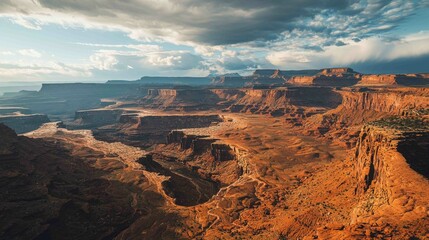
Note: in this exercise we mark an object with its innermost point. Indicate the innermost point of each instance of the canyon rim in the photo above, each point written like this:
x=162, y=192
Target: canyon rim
x=214, y=119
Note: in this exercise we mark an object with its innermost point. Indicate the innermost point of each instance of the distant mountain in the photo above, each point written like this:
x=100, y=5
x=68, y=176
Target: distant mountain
x=211, y=75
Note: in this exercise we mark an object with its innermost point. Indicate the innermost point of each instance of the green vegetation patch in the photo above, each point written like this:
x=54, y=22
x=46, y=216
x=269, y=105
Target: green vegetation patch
x=403, y=124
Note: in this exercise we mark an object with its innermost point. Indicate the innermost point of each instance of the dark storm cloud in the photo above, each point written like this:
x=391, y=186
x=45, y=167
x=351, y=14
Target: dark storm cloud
x=223, y=22
x=212, y=22
x=418, y=64
x=284, y=32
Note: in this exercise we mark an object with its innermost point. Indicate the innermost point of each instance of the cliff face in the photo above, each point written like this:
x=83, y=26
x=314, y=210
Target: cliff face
x=101, y=90
x=61, y=101
x=392, y=177
x=336, y=71
x=378, y=80
x=148, y=130
x=394, y=79
x=70, y=188
x=293, y=102
x=210, y=157
x=363, y=105
x=325, y=80
x=180, y=99
x=177, y=121
x=14, y=110
x=287, y=73
x=265, y=101
x=200, y=144
x=226, y=81
x=8, y=138
x=96, y=118
x=24, y=123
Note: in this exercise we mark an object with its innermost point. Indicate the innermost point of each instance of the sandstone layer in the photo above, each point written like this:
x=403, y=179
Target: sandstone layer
x=268, y=161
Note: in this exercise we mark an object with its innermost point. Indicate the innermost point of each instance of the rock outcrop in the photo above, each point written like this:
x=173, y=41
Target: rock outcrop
x=294, y=102
x=392, y=175
x=180, y=99
x=148, y=130
x=23, y=123
x=70, y=186
x=333, y=77
x=394, y=79
x=360, y=105
x=200, y=144
x=14, y=110
x=337, y=71
x=95, y=118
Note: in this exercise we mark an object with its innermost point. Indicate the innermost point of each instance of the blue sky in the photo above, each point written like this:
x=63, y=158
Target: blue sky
x=64, y=40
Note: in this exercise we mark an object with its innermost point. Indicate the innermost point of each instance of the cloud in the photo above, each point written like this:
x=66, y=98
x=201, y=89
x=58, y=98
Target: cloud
x=217, y=22
x=7, y=53
x=103, y=61
x=224, y=35
x=178, y=60
x=35, y=71
x=373, y=49
x=26, y=22
x=139, y=47
x=30, y=53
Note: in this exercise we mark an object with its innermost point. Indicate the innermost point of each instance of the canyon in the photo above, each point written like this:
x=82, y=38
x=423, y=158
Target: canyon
x=305, y=154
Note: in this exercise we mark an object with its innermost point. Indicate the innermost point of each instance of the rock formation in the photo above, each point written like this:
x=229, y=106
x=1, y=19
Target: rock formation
x=393, y=79
x=230, y=157
x=96, y=118
x=23, y=123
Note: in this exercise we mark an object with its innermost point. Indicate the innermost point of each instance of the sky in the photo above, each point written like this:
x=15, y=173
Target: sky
x=98, y=40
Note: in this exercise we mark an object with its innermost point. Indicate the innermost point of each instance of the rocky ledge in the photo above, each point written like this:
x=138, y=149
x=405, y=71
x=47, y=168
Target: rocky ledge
x=391, y=169
x=22, y=123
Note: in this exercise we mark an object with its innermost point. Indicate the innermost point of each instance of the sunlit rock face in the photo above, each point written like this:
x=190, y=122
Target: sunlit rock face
x=328, y=154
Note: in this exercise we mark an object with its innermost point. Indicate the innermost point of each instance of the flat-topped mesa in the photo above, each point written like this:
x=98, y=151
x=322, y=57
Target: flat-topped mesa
x=360, y=105
x=394, y=79
x=170, y=122
x=197, y=143
x=337, y=71
x=96, y=118
x=391, y=169
x=180, y=99
x=328, y=77
x=14, y=110
x=230, y=81
x=281, y=101
x=23, y=123
x=161, y=92
x=148, y=80
x=145, y=130
x=91, y=90
x=284, y=73
x=222, y=152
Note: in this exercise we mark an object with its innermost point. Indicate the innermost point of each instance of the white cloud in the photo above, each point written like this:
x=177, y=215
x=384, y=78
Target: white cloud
x=30, y=53
x=103, y=61
x=26, y=22
x=208, y=51
x=157, y=60
x=179, y=60
x=370, y=49
x=7, y=53
x=43, y=70
x=139, y=47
